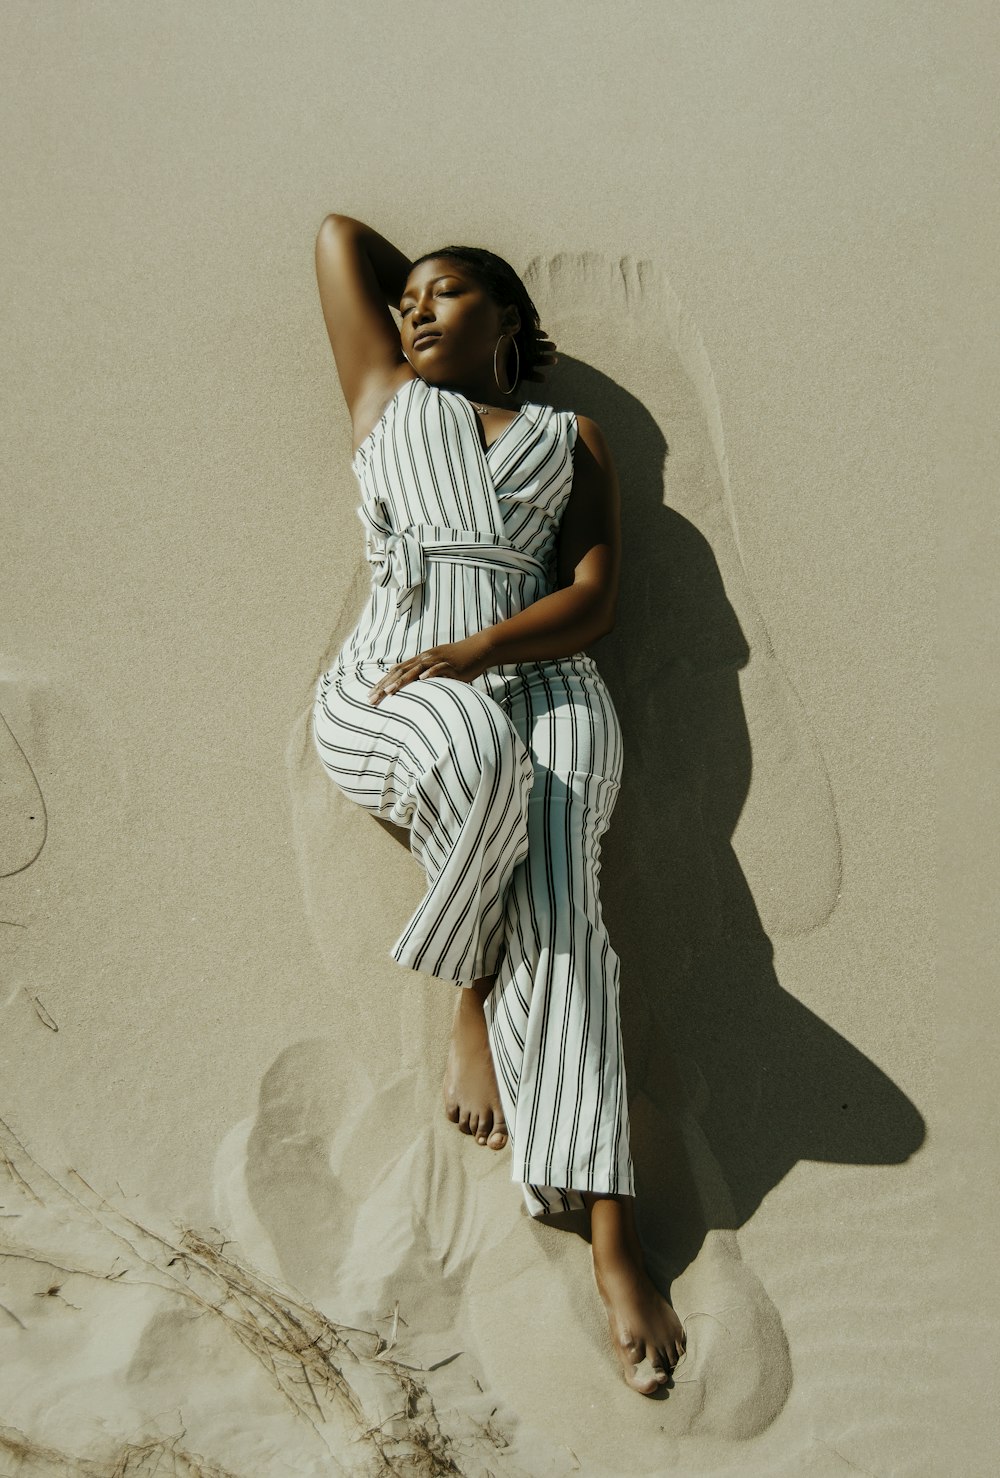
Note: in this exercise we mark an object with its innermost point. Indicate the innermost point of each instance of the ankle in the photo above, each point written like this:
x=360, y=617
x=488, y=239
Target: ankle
x=612, y=1224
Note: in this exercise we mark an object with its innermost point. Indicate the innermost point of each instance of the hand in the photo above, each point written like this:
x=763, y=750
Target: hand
x=464, y=660
x=545, y=349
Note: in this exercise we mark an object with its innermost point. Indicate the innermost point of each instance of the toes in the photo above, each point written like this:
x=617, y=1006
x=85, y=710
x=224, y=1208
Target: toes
x=633, y=1358
x=647, y=1368
x=490, y=1130
x=486, y=1128
x=645, y=1384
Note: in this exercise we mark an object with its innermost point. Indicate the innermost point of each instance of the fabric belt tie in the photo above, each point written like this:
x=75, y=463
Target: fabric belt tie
x=399, y=559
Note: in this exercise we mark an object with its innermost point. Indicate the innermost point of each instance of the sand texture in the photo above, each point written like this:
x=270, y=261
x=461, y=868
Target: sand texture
x=238, y=1237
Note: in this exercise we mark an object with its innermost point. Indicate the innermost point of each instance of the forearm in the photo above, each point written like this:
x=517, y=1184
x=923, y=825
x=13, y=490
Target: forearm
x=389, y=264
x=558, y=625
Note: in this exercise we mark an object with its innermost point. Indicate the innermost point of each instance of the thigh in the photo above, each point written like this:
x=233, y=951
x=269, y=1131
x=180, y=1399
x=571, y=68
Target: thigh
x=564, y=713
x=375, y=752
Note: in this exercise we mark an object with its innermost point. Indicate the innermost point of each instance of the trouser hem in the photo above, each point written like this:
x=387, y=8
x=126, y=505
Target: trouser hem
x=479, y=972
x=620, y=1184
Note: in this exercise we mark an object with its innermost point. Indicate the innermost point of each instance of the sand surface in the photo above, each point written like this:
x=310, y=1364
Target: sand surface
x=237, y=1235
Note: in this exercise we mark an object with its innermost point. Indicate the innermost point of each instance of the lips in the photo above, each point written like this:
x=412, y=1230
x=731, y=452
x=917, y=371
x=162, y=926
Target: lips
x=423, y=339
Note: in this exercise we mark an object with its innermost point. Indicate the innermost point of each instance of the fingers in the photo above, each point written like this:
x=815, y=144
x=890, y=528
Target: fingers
x=401, y=673
x=546, y=356
x=439, y=669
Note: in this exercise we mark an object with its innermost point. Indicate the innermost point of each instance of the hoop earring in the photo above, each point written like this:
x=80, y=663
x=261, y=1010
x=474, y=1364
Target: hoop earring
x=496, y=376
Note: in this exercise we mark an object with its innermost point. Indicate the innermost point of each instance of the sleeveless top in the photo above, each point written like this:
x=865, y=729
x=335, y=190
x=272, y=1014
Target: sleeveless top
x=458, y=538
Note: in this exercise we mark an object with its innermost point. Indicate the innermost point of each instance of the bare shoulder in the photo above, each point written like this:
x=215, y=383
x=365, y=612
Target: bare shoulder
x=590, y=526
x=593, y=438
x=595, y=491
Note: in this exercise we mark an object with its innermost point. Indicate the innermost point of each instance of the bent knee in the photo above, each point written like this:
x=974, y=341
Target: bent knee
x=461, y=726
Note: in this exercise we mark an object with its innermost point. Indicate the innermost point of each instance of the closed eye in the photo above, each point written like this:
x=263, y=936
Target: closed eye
x=451, y=292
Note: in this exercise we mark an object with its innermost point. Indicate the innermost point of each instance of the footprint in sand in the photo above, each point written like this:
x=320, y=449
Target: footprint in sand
x=536, y=1291
x=355, y=1194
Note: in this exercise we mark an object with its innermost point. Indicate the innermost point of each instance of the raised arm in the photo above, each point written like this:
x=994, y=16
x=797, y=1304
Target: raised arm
x=359, y=275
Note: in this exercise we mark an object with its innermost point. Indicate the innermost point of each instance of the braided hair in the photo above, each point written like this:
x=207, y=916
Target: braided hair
x=500, y=282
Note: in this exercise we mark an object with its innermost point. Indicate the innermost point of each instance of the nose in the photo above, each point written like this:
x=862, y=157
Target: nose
x=420, y=316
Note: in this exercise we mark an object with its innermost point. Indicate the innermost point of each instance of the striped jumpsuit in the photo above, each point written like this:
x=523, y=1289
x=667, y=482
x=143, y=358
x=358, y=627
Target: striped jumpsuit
x=506, y=783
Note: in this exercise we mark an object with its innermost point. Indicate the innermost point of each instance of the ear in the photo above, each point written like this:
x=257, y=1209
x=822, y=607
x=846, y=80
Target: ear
x=510, y=323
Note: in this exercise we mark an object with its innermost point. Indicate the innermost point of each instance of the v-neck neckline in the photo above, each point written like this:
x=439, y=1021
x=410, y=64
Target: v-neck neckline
x=477, y=424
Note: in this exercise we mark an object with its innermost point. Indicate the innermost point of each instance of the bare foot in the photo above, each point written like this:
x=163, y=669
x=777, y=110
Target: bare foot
x=471, y=1096
x=643, y=1325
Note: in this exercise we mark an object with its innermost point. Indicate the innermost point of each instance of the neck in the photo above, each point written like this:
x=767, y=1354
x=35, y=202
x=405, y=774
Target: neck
x=486, y=394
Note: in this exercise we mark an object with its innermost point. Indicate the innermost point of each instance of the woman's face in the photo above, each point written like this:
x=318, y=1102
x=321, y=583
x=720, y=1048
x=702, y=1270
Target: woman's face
x=443, y=299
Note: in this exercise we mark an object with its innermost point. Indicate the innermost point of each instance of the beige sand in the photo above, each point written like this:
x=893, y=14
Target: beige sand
x=238, y=1235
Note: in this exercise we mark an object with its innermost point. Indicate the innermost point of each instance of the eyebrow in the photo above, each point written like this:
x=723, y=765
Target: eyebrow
x=440, y=278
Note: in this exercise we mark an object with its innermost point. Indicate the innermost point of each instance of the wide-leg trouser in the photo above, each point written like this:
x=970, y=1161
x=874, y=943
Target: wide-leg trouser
x=507, y=785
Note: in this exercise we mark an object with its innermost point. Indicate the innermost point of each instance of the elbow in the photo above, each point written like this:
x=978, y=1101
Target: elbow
x=331, y=222
x=597, y=613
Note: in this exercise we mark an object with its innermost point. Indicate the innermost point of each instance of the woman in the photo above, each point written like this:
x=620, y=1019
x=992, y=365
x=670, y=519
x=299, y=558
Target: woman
x=464, y=707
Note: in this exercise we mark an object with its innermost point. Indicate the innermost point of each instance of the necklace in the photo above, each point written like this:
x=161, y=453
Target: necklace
x=485, y=409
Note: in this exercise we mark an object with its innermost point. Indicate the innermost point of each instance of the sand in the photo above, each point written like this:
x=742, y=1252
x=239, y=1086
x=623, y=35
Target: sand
x=237, y=1234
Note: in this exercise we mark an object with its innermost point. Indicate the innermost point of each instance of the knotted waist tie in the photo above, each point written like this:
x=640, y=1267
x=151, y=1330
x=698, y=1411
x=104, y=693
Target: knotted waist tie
x=400, y=558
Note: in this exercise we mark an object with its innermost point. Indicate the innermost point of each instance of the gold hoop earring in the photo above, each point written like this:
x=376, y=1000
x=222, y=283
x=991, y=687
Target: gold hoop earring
x=496, y=376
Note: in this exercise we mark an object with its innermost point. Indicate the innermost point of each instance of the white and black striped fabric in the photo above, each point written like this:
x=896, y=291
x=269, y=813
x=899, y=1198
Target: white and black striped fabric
x=506, y=784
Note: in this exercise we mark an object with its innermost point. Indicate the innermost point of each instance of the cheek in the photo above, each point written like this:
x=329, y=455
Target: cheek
x=478, y=326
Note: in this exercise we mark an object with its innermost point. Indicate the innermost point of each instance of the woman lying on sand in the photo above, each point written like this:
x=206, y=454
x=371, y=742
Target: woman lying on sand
x=464, y=707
